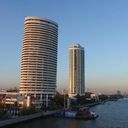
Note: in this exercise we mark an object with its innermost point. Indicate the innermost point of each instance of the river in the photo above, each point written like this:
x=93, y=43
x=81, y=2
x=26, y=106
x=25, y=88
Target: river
x=112, y=114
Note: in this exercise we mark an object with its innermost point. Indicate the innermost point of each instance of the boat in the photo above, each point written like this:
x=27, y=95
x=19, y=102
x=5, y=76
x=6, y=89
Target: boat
x=82, y=113
x=85, y=113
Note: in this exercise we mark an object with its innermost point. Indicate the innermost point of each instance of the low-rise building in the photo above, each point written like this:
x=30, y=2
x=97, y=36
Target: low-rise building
x=11, y=98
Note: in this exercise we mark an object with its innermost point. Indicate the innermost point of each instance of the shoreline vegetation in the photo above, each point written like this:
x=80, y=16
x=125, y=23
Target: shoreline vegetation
x=24, y=114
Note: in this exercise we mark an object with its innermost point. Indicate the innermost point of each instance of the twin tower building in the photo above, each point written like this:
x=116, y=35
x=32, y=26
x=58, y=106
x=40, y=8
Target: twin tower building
x=39, y=62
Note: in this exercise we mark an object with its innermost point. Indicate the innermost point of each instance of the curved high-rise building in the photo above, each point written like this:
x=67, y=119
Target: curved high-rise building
x=39, y=59
x=76, y=71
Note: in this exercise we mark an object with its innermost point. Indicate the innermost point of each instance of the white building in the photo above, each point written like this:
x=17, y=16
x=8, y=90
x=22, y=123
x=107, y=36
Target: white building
x=11, y=98
x=76, y=71
x=39, y=60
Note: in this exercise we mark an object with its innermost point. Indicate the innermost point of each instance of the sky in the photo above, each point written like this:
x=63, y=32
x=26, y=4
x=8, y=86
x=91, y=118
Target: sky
x=100, y=26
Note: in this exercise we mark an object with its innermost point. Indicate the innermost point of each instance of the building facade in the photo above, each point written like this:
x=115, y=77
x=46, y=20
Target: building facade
x=39, y=60
x=76, y=71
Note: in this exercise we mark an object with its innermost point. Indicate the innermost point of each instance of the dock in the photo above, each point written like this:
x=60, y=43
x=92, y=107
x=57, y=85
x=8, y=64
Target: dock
x=25, y=118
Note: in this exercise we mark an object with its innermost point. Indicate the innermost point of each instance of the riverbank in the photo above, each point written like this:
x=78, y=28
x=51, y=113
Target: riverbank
x=112, y=114
x=93, y=104
x=25, y=118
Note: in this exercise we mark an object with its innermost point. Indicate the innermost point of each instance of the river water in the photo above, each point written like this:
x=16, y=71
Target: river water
x=112, y=114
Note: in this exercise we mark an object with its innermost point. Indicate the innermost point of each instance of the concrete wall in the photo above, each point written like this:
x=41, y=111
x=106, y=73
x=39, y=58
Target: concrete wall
x=25, y=118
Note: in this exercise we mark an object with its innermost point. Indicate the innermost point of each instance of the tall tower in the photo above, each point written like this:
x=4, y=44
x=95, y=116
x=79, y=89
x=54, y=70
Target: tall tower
x=39, y=60
x=76, y=71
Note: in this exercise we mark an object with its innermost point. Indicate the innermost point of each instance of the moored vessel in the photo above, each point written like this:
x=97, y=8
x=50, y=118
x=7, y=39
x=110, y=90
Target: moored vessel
x=82, y=113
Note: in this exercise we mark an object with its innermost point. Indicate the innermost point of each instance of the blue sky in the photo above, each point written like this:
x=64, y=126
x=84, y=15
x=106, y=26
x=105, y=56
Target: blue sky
x=100, y=26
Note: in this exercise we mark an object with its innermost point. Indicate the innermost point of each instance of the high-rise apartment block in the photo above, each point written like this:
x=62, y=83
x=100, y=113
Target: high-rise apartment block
x=39, y=60
x=76, y=71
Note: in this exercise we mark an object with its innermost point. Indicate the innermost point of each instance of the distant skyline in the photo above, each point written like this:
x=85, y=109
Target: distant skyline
x=100, y=26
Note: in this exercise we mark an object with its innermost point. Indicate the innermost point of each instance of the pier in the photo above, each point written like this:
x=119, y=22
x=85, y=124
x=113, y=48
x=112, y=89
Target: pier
x=25, y=118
